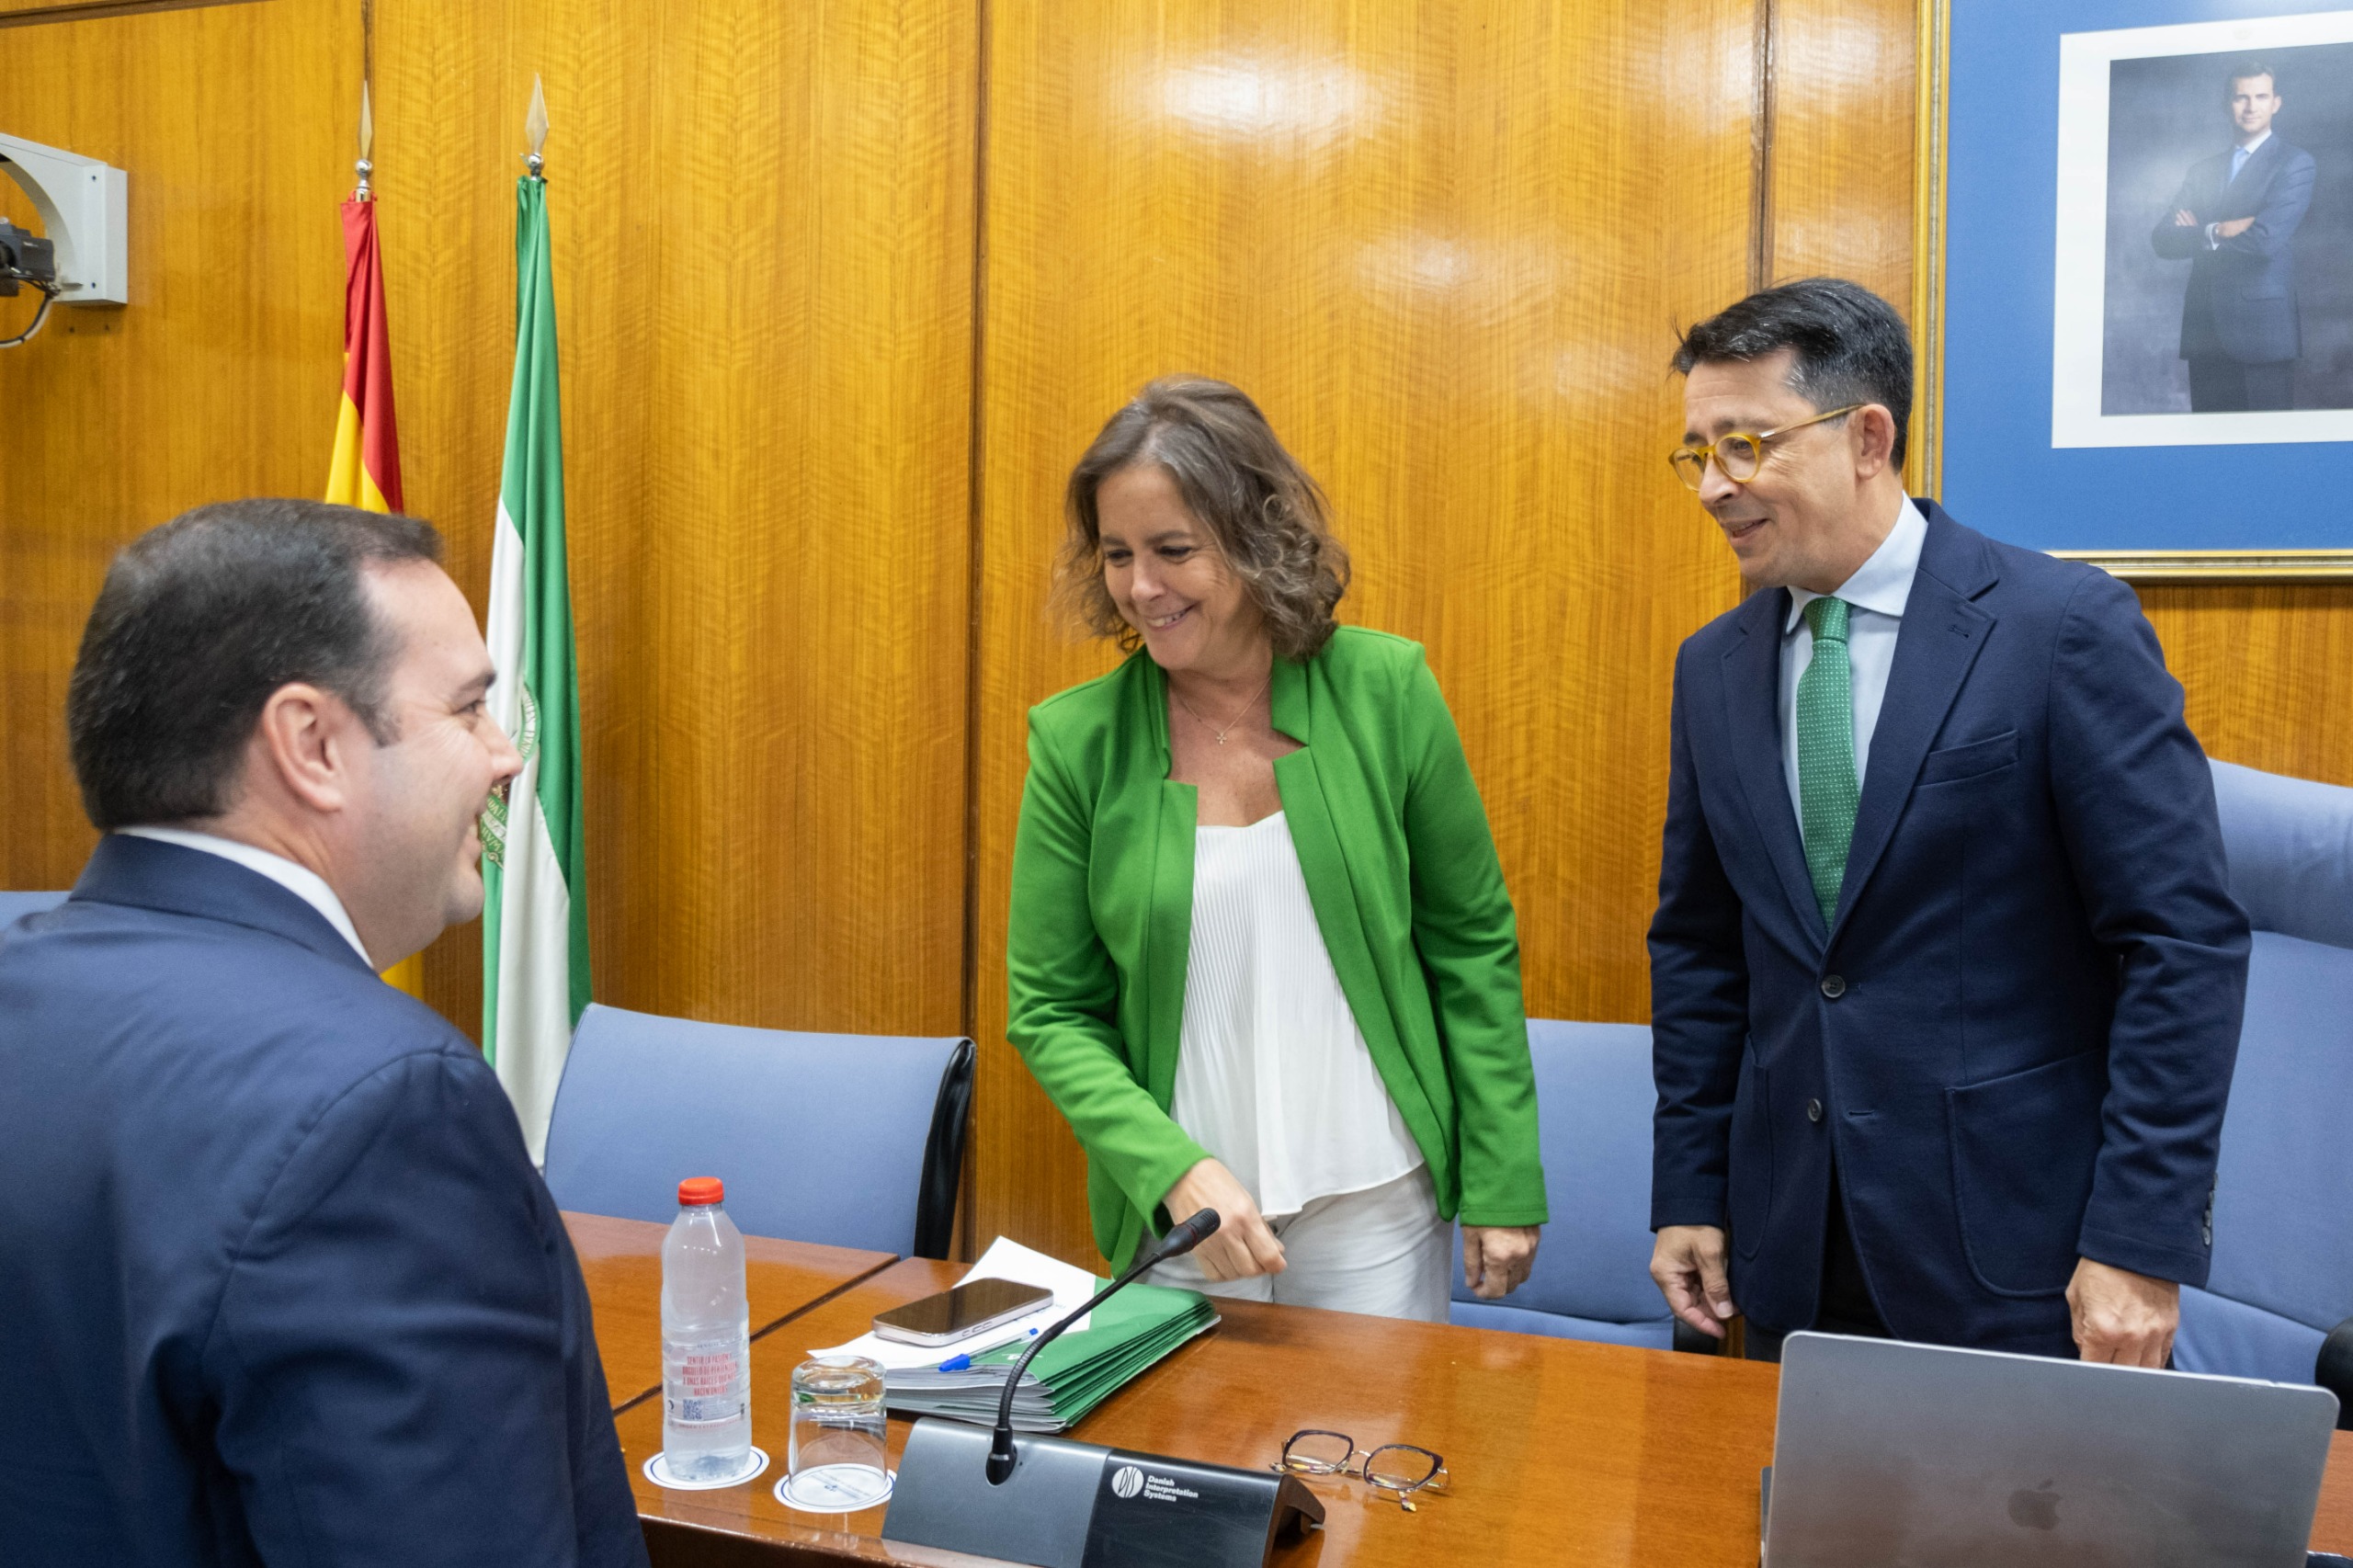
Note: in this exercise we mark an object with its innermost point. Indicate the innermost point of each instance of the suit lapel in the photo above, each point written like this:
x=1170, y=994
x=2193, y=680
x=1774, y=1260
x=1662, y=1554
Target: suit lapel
x=1942, y=634
x=2218, y=192
x=1752, y=675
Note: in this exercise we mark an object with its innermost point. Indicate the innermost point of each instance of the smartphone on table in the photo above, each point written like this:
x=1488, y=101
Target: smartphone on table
x=970, y=1308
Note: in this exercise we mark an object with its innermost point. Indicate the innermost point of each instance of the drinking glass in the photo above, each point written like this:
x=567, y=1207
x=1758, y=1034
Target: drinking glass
x=836, y=1462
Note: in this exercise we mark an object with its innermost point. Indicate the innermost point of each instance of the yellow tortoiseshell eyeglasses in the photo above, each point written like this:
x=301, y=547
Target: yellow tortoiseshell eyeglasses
x=1740, y=453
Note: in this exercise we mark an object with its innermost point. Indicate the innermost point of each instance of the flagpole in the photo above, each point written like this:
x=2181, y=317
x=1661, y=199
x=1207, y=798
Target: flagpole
x=535, y=131
x=367, y=146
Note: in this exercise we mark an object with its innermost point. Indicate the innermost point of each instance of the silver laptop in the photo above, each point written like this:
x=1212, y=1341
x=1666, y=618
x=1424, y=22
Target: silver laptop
x=1890, y=1455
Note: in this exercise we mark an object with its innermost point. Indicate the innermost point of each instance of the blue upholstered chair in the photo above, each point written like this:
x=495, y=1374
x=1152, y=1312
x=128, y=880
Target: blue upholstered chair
x=2282, y=1275
x=1592, y=1280
x=848, y=1140
x=15, y=906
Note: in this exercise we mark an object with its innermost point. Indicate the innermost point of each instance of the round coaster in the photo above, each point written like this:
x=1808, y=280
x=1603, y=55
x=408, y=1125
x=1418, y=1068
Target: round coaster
x=658, y=1471
x=835, y=1489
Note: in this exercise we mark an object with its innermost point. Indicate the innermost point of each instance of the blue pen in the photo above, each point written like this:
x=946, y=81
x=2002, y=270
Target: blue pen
x=963, y=1363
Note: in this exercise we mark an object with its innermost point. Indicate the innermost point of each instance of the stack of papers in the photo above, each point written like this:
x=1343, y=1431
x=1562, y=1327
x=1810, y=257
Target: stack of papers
x=1069, y=1377
x=1093, y=1359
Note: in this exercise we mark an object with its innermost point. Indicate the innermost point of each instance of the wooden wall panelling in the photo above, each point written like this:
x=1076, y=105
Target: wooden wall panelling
x=29, y=13
x=1841, y=151
x=237, y=126
x=1444, y=246
x=763, y=231
x=1841, y=156
x=2267, y=669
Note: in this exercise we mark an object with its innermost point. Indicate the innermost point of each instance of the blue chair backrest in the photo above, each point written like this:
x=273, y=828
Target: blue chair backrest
x=1592, y=1280
x=15, y=906
x=2283, y=1271
x=818, y=1137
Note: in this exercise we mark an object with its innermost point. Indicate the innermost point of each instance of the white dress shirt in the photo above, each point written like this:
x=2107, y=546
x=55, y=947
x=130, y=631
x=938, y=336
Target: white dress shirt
x=300, y=880
x=1875, y=595
x=2239, y=155
x=1273, y=1077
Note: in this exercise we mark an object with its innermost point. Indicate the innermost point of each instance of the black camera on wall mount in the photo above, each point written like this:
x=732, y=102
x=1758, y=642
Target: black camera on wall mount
x=26, y=258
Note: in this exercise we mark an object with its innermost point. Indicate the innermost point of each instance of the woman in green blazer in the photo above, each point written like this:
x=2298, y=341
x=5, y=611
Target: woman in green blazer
x=1261, y=954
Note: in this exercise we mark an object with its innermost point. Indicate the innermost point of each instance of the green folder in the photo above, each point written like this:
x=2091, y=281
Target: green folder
x=1071, y=1376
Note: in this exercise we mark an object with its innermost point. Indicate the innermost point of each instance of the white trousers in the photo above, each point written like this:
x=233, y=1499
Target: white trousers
x=1383, y=1251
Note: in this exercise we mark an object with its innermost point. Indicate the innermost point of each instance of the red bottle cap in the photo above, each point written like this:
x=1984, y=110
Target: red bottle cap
x=696, y=1191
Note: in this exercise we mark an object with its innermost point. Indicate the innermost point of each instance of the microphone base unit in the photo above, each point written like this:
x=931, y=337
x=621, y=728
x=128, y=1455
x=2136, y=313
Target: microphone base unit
x=1071, y=1505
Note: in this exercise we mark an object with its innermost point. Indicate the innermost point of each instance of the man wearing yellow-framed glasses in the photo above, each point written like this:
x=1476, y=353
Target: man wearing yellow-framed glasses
x=1946, y=983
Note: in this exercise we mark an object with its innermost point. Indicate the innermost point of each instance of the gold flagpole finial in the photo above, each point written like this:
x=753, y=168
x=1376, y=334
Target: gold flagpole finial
x=535, y=130
x=367, y=145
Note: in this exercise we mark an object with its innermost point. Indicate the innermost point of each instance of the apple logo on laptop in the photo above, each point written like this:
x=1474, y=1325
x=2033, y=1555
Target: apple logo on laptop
x=2037, y=1510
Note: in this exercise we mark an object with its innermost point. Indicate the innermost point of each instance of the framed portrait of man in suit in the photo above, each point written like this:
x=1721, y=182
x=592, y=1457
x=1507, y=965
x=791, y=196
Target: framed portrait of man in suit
x=2141, y=230
x=2205, y=220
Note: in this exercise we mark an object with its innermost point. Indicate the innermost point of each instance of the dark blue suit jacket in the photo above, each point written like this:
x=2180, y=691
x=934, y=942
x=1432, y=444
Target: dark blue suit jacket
x=2241, y=302
x=278, y=1282
x=2018, y=1031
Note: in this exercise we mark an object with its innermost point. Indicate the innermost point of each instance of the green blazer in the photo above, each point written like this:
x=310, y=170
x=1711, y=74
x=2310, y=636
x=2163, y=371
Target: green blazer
x=1407, y=893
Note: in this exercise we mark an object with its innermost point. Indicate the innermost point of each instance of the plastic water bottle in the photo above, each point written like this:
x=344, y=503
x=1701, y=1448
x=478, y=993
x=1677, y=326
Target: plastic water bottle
x=706, y=1340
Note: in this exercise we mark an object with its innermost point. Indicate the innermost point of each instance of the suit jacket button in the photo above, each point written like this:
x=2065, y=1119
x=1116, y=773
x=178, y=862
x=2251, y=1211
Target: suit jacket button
x=1832, y=986
x=1814, y=1110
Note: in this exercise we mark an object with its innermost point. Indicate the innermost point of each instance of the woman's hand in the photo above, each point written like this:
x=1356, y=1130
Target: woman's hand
x=1496, y=1258
x=1244, y=1246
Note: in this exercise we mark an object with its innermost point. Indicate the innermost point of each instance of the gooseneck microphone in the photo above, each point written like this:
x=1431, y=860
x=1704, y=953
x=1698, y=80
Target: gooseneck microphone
x=1059, y=1502
x=1176, y=1244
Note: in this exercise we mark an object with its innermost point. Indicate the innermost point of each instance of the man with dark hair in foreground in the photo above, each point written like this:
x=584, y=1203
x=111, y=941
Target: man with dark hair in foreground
x=1945, y=980
x=278, y=1282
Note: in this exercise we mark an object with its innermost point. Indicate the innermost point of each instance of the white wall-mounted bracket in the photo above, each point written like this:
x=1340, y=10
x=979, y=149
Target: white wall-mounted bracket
x=85, y=208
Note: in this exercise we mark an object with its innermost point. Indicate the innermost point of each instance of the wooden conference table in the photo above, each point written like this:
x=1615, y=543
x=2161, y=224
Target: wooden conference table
x=1559, y=1451
x=621, y=1261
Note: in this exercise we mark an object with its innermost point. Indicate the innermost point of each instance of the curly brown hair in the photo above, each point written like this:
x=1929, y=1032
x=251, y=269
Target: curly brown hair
x=1270, y=519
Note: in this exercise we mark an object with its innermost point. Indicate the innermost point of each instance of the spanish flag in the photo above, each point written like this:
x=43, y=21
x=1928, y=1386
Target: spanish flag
x=366, y=470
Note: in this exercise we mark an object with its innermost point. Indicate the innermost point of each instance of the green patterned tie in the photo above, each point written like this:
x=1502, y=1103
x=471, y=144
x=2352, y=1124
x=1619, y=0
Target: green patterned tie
x=1826, y=752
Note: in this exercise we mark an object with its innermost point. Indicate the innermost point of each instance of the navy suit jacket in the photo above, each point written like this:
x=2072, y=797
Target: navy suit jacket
x=278, y=1282
x=2241, y=302
x=2016, y=1032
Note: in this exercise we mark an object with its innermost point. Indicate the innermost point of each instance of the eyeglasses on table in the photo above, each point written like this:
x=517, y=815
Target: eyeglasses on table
x=1395, y=1469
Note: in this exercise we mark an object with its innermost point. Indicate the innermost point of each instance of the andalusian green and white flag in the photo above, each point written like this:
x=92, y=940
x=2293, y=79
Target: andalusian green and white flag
x=535, y=922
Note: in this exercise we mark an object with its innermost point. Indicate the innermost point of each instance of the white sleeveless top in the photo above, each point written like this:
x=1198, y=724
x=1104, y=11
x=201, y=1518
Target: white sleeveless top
x=1273, y=1077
